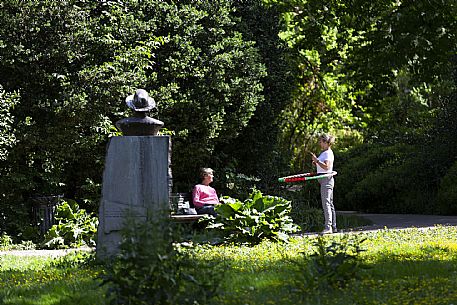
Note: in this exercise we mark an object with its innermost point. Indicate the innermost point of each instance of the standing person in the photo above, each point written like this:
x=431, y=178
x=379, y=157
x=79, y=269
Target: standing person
x=203, y=195
x=324, y=164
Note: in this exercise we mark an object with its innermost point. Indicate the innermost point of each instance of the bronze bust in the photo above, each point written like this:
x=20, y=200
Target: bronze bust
x=140, y=124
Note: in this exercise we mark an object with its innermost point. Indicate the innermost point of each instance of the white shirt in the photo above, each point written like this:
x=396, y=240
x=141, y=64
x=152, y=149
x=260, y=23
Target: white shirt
x=326, y=155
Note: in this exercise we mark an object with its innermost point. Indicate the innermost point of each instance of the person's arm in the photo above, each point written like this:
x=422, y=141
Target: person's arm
x=212, y=198
x=322, y=164
x=209, y=196
x=202, y=195
x=196, y=197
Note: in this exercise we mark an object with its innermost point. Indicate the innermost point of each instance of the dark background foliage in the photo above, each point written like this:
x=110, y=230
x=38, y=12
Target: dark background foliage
x=74, y=62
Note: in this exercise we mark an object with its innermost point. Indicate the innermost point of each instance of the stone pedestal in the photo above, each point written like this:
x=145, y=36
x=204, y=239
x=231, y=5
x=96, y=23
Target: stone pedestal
x=136, y=184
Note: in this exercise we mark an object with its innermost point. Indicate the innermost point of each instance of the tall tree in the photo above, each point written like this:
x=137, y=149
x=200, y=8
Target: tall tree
x=255, y=156
x=74, y=62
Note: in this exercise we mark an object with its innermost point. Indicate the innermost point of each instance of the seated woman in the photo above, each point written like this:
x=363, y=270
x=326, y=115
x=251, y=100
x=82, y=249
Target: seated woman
x=203, y=195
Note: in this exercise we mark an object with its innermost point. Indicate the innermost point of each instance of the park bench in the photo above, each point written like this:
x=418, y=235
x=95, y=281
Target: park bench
x=180, y=203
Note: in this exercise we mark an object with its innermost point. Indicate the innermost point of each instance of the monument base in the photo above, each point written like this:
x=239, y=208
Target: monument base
x=136, y=185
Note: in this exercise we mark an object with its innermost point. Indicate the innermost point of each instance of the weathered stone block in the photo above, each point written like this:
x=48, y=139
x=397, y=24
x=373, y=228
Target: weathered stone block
x=136, y=184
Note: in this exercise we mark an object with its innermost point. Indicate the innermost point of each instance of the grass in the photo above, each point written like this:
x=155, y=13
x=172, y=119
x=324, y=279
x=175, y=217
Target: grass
x=409, y=266
x=44, y=281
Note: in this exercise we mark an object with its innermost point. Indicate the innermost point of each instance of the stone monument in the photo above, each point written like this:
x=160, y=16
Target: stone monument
x=137, y=174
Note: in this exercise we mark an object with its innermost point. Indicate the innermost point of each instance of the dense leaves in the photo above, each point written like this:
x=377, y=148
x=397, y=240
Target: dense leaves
x=7, y=137
x=74, y=227
x=334, y=263
x=378, y=72
x=258, y=217
x=152, y=268
x=74, y=62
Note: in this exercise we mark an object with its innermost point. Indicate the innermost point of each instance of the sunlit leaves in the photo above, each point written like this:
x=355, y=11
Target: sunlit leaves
x=7, y=137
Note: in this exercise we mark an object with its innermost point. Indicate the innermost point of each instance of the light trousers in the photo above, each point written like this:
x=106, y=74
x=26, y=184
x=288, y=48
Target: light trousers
x=327, y=185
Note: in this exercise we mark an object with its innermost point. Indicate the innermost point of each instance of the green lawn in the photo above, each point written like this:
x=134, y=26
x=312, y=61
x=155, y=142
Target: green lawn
x=44, y=281
x=402, y=267
x=397, y=267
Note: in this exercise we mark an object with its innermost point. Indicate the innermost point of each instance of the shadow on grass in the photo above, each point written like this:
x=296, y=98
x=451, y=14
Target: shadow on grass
x=403, y=279
x=264, y=274
x=398, y=279
x=51, y=286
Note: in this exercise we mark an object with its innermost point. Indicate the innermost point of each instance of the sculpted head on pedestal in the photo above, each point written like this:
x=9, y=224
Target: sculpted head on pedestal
x=140, y=124
x=140, y=101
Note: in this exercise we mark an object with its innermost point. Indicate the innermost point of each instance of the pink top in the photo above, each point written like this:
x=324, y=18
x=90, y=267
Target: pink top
x=204, y=194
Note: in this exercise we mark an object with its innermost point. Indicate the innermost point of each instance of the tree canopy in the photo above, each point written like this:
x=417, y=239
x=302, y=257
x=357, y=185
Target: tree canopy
x=72, y=63
x=379, y=72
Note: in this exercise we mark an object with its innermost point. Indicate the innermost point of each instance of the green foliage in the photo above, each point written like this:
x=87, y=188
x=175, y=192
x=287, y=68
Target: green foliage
x=152, y=268
x=308, y=215
x=5, y=242
x=11, y=218
x=333, y=263
x=386, y=179
x=258, y=217
x=324, y=97
x=237, y=184
x=408, y=112
x=306, y=204
x=211, y=82
x=75, y=259
x=407, y=169
x=227, y=76
x=309, y=219
x=366, y=70
x=399, y=261
x=15, y=217
x=74, y=62
x=260, y=23
x=74, y=228
x=7, y=136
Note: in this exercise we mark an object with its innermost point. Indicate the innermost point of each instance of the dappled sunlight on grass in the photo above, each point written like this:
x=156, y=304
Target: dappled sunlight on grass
x=404, y=267
x=412, y=266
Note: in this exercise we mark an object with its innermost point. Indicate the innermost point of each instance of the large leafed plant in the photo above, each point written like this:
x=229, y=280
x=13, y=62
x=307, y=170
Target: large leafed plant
x=74, y=228
x=258, y=217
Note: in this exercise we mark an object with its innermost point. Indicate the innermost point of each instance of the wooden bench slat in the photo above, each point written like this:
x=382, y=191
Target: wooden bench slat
x=185, y=218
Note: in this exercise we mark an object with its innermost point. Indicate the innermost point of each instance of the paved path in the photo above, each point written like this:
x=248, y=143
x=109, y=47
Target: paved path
x=403, y=221
x=47, y=253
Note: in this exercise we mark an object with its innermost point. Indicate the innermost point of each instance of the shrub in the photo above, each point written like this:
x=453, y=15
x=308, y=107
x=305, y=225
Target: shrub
x=332, y=264
x=5, y=242
x=83, y=58
x=153, y=269
x=237, y=183
x=77, y=259
x=306, y=207
x=386, y=179
x=258, y=217
x=447, y=193
x=75, y=227
x=7, y=137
